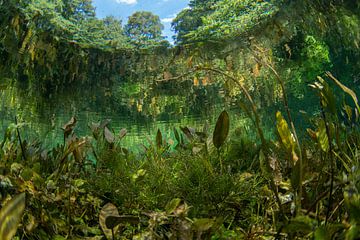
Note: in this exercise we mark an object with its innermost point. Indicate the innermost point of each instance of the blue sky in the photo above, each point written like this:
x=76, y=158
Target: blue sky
x=166, y=9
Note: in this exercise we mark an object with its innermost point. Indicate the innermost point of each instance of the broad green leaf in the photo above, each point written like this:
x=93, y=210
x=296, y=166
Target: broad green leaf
x=10, y=216
x=221, y=129
x=159, y=138
x=284, y=132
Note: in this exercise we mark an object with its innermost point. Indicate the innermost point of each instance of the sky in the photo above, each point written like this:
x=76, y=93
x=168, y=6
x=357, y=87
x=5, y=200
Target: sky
x=122, y=9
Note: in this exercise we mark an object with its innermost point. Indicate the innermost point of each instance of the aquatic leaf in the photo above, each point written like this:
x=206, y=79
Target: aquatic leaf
x=95, y=129
x=345, y=89
x=327, y=96
x=302, y=224
x=114, y=221
x=10, y=216
x=312, y=133
x=323, y=233
x=221, y=129
x=203, y=136
x=284, y=132
x=122, y=133
x=172, y=205
x=158, y=138
x=322, y=137
x=69, y=126
x=353, y=232
x=203, y=224
x=177, y=136
x=104, y=123
x=265, y=166
x=109, y=136
x=348, y=111
x=188, y=133
x=108, y=210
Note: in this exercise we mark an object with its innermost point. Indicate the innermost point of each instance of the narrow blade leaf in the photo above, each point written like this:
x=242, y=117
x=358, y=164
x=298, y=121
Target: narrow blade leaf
x=10, y=216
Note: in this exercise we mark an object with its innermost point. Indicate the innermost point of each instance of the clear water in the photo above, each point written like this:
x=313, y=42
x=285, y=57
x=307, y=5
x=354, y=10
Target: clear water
x=140, y=115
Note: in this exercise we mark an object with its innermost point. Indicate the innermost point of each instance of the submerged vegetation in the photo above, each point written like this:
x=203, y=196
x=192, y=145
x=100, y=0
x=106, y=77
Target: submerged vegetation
x=288, y=169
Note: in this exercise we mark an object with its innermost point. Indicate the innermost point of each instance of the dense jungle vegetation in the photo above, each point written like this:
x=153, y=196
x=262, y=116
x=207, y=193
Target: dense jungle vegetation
x=286, y=167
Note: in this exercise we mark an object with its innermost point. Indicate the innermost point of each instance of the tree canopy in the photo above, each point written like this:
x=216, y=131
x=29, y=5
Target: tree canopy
x=144, y=27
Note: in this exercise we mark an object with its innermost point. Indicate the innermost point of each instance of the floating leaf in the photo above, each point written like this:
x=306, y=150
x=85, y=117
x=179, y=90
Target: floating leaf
x=114, y=221
x=158, y=138
x=108, y=210
x=109, y=136
x=221, y=129
x=10, y=216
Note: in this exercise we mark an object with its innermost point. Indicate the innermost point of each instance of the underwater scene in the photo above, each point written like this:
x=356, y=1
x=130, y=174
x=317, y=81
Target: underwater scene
x=179, y=119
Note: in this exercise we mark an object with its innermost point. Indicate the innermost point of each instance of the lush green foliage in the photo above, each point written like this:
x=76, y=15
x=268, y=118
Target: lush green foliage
x=143, y=28
x=278, y=175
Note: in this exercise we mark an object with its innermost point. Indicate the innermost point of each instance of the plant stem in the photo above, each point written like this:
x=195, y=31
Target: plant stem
x=20, y=141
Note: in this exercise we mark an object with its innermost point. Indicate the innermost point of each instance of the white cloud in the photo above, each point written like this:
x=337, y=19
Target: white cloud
x=167, y=20
x=129, y=2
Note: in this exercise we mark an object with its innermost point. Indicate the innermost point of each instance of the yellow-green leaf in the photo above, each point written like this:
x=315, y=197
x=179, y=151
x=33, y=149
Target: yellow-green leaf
x=322, y=137
x=284, y=132
x=10, y=216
